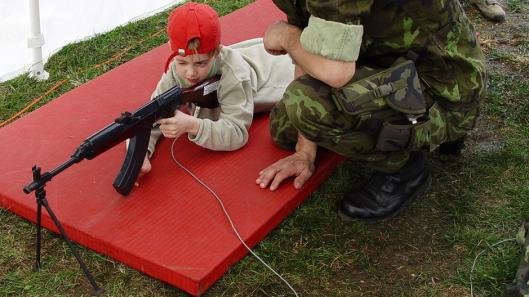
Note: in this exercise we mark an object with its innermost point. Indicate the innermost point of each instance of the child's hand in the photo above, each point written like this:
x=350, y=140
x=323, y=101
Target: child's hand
x=179, y=124
x=145, y=168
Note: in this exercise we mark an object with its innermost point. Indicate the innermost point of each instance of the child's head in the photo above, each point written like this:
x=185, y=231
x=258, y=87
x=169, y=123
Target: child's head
x=194, y=36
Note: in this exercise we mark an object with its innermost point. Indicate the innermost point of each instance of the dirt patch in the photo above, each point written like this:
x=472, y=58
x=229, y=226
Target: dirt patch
x=486, y=137
x=506, y=48
x=506, y=45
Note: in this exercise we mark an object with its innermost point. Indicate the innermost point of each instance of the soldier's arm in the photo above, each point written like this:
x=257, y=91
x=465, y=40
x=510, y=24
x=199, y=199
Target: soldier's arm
x=324, y=42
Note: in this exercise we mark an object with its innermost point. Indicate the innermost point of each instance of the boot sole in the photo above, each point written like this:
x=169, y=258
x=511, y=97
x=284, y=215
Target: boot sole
x=418, y=193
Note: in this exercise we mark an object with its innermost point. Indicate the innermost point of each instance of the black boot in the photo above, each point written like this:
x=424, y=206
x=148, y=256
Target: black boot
x=453, y=148
x=386, y=194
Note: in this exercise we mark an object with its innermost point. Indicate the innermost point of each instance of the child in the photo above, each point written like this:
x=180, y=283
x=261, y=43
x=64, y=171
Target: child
x=251, y=81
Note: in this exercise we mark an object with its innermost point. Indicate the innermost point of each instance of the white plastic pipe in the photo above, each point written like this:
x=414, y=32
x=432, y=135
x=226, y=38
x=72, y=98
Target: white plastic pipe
x=35, y=42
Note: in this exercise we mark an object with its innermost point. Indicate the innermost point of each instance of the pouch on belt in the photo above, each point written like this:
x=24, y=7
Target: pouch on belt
x=390, y=101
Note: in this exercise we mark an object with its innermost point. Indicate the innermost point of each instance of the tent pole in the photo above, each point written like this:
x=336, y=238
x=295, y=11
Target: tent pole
x=35, y=42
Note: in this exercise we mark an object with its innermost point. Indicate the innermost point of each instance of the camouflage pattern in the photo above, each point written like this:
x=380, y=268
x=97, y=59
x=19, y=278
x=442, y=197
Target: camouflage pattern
x=307, y=109
x=397, y=86
x=450, y=66
x=520, y=288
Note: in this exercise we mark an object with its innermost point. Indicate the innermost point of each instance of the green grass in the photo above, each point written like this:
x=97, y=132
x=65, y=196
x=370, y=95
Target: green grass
x=476, y=200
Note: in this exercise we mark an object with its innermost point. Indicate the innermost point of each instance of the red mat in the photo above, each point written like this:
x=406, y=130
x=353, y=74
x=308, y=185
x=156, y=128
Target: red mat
x=170, y=227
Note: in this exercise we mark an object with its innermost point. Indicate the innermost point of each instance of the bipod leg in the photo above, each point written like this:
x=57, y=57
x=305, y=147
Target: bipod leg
x=97, y=290
x=39, y=228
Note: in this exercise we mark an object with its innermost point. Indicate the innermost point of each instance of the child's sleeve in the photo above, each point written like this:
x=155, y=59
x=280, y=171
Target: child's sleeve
x=230, y=131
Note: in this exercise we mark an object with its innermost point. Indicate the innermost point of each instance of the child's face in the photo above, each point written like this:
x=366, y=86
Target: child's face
x=194, y=68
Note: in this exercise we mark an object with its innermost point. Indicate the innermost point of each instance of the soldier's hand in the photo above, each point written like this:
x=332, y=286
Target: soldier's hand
x=298, y=165
x=278, y=36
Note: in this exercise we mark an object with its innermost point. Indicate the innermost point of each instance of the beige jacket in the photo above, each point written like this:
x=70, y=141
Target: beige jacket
x=251, y=81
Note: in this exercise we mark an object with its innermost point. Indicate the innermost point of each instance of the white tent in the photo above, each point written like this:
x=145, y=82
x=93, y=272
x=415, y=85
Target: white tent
x=61, y=22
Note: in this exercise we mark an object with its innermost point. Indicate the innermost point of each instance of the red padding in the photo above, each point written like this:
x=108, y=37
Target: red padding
x=170, y=227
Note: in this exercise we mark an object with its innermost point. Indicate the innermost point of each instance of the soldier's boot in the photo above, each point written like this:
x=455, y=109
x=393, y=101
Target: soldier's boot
x=386, y=194
x=490, y=9
x=452, y=147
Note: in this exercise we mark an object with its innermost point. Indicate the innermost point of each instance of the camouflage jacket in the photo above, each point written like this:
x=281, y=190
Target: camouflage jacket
x=388, y=27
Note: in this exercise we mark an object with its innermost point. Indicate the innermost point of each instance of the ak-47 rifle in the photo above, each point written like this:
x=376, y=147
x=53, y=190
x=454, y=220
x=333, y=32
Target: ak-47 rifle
x=136, y=126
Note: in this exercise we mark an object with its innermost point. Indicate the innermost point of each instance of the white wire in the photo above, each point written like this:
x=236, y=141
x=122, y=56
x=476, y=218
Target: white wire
x=476, y=258
x=229, y=219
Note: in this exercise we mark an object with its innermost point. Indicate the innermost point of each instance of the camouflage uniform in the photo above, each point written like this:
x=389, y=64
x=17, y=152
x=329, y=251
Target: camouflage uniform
x=375, y=34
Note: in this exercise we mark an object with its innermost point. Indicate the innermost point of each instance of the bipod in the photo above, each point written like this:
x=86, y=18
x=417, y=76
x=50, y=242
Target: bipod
x=38, y=185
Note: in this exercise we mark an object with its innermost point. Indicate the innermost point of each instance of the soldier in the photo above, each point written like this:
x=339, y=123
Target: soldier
x=377, y=82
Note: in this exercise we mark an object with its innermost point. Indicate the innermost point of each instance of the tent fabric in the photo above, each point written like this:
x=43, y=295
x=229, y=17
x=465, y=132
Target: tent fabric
x=63, y=22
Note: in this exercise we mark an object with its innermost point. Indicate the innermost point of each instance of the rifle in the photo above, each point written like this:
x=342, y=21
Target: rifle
x=136, y=126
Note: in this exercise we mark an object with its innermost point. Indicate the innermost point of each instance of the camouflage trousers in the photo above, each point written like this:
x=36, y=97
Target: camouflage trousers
x=308, y=106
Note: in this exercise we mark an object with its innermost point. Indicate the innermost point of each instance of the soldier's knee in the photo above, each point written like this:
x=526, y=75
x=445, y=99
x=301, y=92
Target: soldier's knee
x=303, y=122
x=282, y=131
x=303, y=104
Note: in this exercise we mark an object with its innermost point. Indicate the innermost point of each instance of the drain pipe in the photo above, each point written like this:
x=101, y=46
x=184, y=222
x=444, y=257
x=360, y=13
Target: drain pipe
x=35, y=42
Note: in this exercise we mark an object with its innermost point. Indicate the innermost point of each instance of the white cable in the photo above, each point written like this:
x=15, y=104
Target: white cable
x=229, y=219
x=476, y=258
